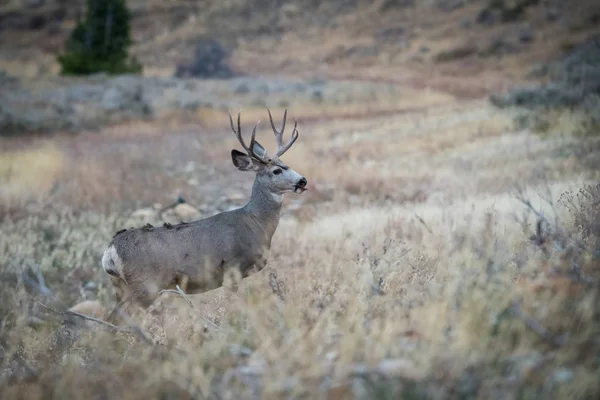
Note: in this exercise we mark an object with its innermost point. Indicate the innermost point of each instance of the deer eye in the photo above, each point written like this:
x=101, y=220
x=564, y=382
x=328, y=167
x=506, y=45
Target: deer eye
x=277, y=171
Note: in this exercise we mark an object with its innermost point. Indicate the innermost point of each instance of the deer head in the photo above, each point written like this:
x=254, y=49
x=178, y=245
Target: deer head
x=271, y=172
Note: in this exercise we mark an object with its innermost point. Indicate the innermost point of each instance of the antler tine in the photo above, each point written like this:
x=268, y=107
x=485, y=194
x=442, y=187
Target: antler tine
x=238, y=131
x=285, y=148
x=279, y=134
x=253, y=140
x=231, y=124
x=238, y=134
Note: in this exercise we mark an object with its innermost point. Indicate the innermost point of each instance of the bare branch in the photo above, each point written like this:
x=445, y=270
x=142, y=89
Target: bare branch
x=521, y=197
x=113, y=328
x=41, y=287
x=556, y=340
x=39, y=284
x=30, y=372
x=182, y=294
x=422, y=221
x=179, y=292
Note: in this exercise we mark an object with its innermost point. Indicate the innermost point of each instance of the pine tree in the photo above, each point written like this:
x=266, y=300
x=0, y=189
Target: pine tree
x=99, y=42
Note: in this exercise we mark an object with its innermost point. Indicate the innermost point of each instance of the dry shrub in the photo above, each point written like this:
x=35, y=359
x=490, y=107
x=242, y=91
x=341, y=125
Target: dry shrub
x=366, y=295
x=440, y=304
x=581, y=120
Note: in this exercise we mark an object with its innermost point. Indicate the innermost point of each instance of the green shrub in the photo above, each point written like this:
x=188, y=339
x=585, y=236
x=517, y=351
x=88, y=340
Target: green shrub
x=99, y=43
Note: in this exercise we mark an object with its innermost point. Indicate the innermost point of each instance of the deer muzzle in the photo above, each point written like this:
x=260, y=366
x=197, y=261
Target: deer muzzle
x=300, y=185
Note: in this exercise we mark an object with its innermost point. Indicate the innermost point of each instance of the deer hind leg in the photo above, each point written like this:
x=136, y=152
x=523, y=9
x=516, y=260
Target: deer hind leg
x=130, y=298
x=144, y=294
x=124, y=296
x=125, y=309
x=115, y=312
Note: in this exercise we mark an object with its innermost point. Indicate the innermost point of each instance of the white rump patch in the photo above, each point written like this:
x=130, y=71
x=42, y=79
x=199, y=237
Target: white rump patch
x=111, y=262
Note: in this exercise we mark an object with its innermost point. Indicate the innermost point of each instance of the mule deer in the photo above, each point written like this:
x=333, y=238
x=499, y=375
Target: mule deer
x=197, y=256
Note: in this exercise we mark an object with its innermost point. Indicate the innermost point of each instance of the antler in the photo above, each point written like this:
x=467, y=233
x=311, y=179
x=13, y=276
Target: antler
x=254, y=145
x=279, y=134
x=264, y=158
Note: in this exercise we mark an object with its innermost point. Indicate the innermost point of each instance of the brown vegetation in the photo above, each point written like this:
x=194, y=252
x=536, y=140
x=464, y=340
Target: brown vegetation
x=411, y=267
x=441, y=250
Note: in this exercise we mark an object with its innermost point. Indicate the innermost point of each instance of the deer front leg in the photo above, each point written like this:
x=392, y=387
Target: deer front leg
x=232, y=279
x=234, y=274
x=122, y=294
x=261, y=263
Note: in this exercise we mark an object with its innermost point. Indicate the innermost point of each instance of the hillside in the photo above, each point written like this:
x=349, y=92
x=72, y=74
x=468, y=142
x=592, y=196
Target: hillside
x=382, y=40
x=459, y=49
x=447, y=245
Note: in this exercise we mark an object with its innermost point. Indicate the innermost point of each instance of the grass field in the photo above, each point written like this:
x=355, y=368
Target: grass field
x=438, y=253
x=441, y=251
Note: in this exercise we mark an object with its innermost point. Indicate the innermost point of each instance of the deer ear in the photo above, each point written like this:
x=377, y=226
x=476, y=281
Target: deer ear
x=242, y=161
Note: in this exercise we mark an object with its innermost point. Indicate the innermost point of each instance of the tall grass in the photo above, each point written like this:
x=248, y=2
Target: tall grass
x=469, y=290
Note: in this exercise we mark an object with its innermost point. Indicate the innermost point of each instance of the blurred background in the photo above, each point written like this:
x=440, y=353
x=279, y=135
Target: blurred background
x=441, y=139
x=175, y=68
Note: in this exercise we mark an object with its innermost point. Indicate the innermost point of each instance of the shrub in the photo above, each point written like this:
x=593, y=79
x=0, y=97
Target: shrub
x=577, y=78
x=571, y=96
x=507, y=11
x=99, y=42
x=209, y=61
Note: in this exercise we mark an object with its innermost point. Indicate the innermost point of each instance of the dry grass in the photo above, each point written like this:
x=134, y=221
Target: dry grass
x=351, y=103
x=29, y=174
x=409, y=269
x=579, y=121
x=438, y=253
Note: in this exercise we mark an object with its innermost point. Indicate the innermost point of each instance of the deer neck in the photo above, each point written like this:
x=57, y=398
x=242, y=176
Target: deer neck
x=265, y=207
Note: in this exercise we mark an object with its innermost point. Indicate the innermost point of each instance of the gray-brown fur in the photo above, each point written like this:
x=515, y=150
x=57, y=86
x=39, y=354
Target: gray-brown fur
x=197, y=255
x=119, y=232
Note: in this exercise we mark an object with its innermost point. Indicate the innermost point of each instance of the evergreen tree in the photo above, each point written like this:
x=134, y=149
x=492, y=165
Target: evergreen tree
x=99, y=42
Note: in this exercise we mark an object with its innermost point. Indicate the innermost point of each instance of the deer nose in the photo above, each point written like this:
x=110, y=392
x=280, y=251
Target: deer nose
x=302, y=182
